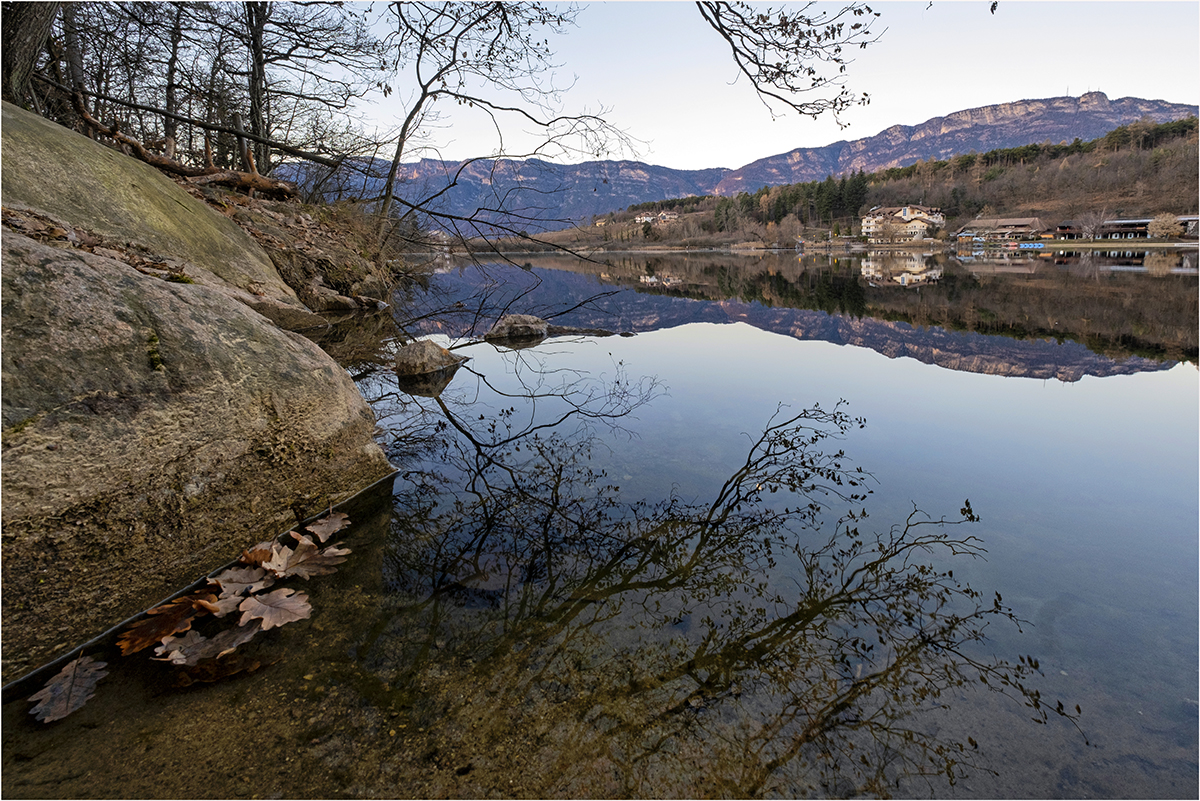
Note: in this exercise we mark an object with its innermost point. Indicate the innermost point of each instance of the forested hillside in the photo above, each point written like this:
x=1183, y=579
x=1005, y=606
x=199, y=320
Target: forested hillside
x=1004, y=125
x=1135, y=170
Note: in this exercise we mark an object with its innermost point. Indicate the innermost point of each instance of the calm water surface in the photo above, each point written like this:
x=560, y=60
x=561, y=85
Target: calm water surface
x=505, y=629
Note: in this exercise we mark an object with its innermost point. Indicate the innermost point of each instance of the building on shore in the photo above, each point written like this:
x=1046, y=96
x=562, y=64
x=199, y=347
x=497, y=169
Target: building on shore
x=891, y=224
x=1003, y=229
x=1138, y=228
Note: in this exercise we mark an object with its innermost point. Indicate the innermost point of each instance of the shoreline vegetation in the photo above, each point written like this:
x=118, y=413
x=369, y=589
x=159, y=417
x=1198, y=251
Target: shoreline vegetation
x=853, y=247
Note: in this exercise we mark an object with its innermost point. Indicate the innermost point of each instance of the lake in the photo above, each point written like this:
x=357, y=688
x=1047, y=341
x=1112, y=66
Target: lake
x=649, y=565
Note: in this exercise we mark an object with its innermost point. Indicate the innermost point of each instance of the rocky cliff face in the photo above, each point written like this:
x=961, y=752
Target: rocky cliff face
x=978, y=129
x=154, y=423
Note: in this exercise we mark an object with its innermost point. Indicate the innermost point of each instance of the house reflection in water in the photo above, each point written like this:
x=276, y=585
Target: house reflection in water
x=906, y=269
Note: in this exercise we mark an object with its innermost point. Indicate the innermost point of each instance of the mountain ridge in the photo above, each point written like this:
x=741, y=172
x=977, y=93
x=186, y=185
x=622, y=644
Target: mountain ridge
x=983, y=128
x=545, y=195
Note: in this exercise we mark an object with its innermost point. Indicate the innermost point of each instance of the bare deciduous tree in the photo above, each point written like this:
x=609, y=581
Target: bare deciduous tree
x=450, y=50
x=291, y=69
x=1090, y=222
x=795, y=59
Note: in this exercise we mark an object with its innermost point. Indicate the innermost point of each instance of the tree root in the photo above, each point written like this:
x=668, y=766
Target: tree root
x=251, y=181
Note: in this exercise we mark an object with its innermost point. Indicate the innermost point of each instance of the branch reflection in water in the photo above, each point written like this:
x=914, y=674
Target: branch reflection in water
x=740, y=646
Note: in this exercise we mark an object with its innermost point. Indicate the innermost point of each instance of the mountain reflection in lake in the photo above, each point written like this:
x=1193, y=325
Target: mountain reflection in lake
x=1062, y=316
x=599, y=573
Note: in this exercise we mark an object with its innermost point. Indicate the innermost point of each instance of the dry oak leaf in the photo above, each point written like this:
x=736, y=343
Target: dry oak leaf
x=235, y=583
x=192, y=648
x=259, y=553
x=166, y=620
x=227, y=603
x=305, y=560
x=276, y=608
x=329, y=525
x=241, y=580
x=174, y=649
x=69, y=689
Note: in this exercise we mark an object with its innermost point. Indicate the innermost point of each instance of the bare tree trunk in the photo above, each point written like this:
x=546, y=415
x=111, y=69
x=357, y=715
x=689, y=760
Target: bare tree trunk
x=256, y=22
x=172, y=103
x=74, y=53
x=246, y=156
x=215, y=107
x=389, y=185
x=23, y=34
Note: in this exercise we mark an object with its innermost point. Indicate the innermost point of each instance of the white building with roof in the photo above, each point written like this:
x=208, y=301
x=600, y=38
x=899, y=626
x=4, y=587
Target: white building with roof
x=884, y=224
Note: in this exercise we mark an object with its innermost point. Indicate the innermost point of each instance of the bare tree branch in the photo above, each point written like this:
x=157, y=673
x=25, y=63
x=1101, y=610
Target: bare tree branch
x=785, y=53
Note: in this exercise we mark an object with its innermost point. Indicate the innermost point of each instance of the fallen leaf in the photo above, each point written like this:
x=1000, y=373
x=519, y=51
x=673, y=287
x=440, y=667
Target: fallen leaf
x=276, y=608
x=165, y=620
x=175, y=649
x=207, y=605
x=282, y=557
x=305, y=560
x=241, y=580
x=259, y=553
x=329, y=525
x=192, y=648
x=235, y=583
x=68, y=690
x=226, y=641
x=226, y=604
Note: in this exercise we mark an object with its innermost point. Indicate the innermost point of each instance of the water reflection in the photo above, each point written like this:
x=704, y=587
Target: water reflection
x=1020, y=317
x=742, y=644
x=905, y=268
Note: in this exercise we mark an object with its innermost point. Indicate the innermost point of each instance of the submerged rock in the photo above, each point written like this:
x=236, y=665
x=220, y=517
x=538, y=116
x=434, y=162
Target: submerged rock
x=518, y=326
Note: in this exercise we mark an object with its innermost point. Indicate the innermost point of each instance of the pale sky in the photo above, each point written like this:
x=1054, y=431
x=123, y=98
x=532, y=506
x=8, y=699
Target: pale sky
x=667, y=79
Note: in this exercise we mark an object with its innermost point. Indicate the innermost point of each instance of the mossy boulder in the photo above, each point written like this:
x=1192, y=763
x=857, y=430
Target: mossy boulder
x=54, y=171
x=151, y=428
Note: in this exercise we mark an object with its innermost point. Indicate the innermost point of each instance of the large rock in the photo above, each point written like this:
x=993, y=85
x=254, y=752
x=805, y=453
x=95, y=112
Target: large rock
x=54, y=171
x=518, y=326
x=423, y=357
x=151, y=429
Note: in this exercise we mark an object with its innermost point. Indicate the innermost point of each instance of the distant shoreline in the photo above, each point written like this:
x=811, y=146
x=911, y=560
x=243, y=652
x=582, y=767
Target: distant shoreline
x=859, y=247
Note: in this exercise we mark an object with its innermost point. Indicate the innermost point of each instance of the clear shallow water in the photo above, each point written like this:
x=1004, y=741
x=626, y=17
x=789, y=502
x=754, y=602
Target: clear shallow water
x=1086, y=490
x=444, y=662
